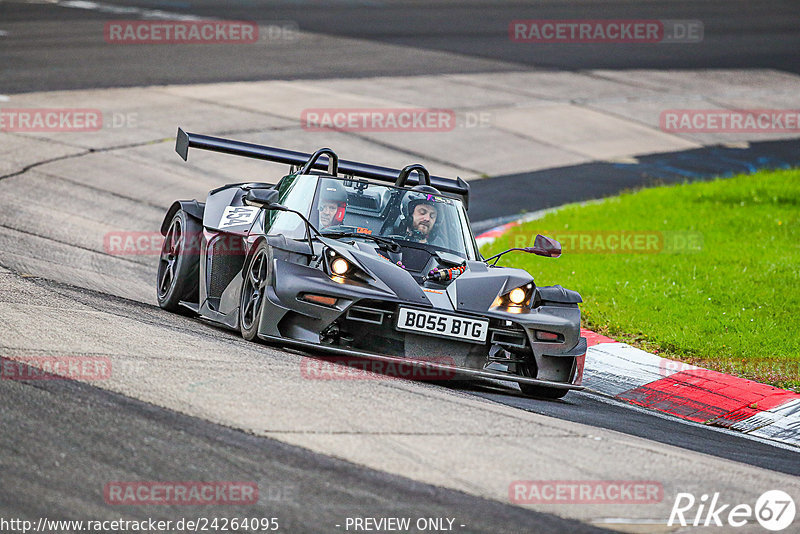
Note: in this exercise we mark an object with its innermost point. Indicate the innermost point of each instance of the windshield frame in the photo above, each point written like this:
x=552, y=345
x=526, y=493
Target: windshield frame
x=467, y=239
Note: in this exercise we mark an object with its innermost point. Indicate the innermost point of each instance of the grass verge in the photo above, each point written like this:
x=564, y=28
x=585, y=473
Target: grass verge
x=707, y=273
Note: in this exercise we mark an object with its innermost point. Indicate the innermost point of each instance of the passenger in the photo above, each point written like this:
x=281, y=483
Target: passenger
x=332, y=204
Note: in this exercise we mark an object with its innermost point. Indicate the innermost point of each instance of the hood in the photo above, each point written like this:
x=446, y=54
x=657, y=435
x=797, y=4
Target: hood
x=480, y=285
x=387, y=276
x=474, y=290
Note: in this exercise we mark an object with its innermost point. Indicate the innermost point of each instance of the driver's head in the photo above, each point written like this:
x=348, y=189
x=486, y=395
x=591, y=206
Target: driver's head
x=332, y=204
x=421, y=211
x=327, y=211
x=423, y=218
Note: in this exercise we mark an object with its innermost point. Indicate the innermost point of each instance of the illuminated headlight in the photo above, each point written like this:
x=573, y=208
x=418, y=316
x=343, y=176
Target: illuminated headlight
x=340, y=266
x=517, y=296
x=342, y=270
x=516, y=300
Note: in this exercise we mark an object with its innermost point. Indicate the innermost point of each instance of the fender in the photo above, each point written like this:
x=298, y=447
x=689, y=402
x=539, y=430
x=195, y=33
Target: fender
x=250, y=252
x=278, y=242
x=559, y=295
x=193, y=208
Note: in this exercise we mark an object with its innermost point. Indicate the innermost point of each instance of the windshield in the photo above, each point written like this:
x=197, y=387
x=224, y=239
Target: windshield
x=409, y=217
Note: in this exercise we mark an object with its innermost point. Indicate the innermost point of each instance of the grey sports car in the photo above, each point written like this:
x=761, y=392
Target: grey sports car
x=369, y=262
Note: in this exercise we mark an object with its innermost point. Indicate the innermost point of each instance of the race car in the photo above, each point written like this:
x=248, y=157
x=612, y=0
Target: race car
x=358, y=260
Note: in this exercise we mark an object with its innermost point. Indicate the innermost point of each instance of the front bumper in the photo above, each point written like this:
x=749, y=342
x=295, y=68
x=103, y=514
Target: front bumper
x=423, y=365
x=362, y=323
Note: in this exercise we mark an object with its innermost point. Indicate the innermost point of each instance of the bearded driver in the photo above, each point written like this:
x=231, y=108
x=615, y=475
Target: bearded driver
x=421, y=215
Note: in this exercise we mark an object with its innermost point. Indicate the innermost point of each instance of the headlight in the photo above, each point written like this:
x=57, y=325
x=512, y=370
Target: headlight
x=516, y=299
x=517, y=296
x=340, y=266
x=340, y=269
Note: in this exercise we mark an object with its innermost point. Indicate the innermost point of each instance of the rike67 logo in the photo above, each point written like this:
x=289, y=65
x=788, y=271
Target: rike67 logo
x=774, y=510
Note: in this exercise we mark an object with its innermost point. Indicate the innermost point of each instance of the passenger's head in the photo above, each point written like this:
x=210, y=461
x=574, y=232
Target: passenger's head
x=332, y=204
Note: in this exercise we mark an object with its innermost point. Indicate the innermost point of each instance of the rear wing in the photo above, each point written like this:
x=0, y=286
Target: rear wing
x=324, y=159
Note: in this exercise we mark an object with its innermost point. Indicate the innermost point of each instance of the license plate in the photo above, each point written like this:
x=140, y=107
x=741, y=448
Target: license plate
x=465, y=329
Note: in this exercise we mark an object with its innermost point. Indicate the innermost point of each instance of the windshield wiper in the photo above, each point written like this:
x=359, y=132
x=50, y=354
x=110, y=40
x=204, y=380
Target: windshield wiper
x=393, y=245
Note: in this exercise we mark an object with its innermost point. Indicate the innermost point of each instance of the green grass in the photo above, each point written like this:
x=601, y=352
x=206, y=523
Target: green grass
x=731, y=302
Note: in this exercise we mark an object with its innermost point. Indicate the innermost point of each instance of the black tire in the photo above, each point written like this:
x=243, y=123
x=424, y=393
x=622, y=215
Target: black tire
x=542, y=392
x=179, y=264
x=255, y=280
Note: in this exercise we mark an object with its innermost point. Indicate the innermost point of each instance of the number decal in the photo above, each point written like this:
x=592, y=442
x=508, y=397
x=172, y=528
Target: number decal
x=238, y=215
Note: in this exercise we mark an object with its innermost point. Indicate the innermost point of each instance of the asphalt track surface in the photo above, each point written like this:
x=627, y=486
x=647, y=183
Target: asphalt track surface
x=70, y=438
x=65, y=434
x=61, y=48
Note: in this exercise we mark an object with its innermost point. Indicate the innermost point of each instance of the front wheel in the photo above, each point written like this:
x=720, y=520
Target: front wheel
x=179, y=263
x=254, y=286
x=542, y=392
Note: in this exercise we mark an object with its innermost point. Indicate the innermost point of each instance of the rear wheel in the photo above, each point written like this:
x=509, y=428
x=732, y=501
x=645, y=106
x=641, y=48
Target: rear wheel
x=178, y=265
x=254, y=286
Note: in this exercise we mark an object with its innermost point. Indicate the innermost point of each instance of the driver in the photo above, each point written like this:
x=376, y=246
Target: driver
x=420, y=215
x=332, y=204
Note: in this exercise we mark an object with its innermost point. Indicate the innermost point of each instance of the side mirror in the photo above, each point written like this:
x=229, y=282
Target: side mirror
x=265, y=198
x=542, y=246
x=545, y=246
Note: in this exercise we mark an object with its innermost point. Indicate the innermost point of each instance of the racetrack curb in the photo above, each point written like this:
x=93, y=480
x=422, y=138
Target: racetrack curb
x=692, y=393
x=689, y=392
